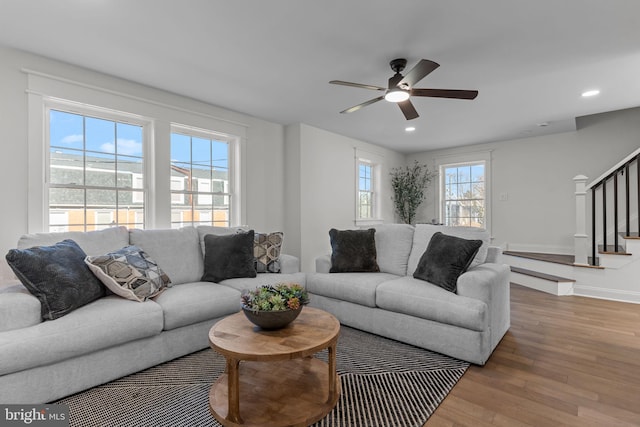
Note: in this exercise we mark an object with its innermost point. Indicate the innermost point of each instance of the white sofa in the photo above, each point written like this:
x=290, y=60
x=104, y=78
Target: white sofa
x=467, y=324
x=41, y=361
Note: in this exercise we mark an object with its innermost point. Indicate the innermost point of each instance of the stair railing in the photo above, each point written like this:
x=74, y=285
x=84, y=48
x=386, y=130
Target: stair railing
x=610, y=204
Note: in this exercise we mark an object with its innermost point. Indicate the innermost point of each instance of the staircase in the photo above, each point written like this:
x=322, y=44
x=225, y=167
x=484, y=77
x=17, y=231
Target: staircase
x=606, y=263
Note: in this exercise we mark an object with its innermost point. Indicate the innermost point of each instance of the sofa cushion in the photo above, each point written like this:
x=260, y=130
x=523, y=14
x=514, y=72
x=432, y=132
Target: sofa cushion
x=18, y=308
x=129, y=273
x=266, y=251
x=353, y=251
x=176, y=251
x=247, y=284
x=422, y=237
x=414, y=297
x=57, y=276
x=196, y=302
x=227, y=257
x=104, y=323
x=92, y=242
x=445, y=259
x=358, y=288
x=393, y=246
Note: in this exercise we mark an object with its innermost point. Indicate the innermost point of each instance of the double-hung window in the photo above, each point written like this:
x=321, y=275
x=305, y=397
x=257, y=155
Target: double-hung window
x=463, y=194
x=365, y=190
x=95, y=170
x=201, y=181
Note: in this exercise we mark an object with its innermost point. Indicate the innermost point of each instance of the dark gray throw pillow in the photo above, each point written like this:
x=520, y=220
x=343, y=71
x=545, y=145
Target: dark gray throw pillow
x=228, y=257
x=353, y=251
x=445, y=259
x=57, y=276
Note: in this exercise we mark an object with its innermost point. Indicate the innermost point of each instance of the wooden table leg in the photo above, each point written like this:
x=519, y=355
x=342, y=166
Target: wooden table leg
x=233, y=382
x=332, y=373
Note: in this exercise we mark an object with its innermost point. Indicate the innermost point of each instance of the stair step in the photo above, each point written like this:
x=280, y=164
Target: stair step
x=632, y=236
x=544, y=282
x=611, y=250
x=539, y=275
x=539, y=256
x=554, y=258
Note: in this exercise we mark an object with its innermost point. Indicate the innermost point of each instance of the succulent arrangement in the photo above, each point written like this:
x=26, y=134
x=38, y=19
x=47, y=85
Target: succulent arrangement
x=279, y=297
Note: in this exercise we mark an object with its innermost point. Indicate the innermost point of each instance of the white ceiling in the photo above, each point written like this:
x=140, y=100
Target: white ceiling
x=273, y=59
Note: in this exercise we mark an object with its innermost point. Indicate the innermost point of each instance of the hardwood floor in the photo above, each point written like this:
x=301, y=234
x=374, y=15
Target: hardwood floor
x=566, y=360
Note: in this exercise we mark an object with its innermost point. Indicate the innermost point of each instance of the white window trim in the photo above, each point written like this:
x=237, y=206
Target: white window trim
x=375, y=161
x=43, y=86
x=461, y=159
x=235, y=186
x=50, y=103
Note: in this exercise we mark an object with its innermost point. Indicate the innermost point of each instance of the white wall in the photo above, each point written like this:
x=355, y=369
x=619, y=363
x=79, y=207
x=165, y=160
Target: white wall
x=263, y=145
x=537, y=174
x=325, y=197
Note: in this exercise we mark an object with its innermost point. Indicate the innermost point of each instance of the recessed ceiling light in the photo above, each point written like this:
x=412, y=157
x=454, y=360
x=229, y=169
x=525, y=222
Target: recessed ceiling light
x=409, y=129
x=588, y=93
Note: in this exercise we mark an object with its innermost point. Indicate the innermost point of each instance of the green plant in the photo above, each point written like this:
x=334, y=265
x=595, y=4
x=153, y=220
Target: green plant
x=409, y=186
x=279, y=297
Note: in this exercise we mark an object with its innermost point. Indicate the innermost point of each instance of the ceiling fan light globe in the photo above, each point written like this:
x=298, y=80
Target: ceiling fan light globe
x=396, y=95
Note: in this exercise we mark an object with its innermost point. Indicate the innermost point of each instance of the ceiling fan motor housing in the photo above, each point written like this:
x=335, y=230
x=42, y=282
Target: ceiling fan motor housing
x=398, y=65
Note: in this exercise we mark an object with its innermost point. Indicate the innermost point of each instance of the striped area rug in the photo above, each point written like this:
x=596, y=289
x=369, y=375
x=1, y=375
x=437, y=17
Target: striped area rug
x=384, y=383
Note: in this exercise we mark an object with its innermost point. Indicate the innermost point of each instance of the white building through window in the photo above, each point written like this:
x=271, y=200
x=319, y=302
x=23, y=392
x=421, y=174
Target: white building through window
x=105, y=162
x=95, y=169
x=201, y=177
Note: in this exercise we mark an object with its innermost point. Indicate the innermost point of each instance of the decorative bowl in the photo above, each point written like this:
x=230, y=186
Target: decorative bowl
x=270, y=320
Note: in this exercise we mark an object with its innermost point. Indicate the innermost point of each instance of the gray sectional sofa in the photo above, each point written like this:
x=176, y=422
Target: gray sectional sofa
x=41, y=361
x=467, y=324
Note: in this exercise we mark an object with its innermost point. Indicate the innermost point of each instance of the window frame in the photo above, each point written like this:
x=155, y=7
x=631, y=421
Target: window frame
x=231, y=188
x=467, y=159
x=160, y=111
x=100, y=113
x=375, y=190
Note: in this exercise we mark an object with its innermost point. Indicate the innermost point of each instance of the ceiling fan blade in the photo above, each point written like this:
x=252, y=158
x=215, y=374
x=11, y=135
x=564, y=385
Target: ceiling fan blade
x=364, y=104
x=445, y=93
x=417, y=73
x=371, y=87
x=408, y=109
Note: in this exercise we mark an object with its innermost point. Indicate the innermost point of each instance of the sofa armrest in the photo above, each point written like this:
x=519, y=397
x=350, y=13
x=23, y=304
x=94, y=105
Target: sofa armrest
x=489, y=282
x=494, y=255
x=289, y=264
x=323, y=264
x=18, y=308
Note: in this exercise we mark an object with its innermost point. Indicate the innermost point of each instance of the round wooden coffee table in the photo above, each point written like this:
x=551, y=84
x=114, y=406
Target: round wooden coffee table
x=293, y=388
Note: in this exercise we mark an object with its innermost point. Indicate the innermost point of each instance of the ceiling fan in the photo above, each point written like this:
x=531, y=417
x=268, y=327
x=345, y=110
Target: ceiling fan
x=401, y=88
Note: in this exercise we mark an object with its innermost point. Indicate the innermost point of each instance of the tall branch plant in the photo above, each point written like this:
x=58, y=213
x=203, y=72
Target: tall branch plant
x=409, y=184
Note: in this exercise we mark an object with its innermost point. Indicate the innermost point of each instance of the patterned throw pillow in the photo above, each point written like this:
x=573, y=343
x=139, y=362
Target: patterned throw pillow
x=266, y=251
x=129, y=273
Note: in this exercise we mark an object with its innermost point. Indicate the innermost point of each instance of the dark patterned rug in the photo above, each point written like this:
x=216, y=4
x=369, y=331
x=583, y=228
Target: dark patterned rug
x=384, y=383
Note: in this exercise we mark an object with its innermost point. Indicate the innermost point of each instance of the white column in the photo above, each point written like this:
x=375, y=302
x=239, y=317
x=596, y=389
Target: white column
x=581, y=237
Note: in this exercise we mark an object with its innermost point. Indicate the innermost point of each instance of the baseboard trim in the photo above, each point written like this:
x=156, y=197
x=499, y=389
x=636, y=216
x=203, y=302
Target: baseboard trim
x=607, y=294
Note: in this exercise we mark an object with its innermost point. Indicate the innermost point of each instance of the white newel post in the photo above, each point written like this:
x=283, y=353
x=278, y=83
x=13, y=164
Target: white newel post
x=581, y=238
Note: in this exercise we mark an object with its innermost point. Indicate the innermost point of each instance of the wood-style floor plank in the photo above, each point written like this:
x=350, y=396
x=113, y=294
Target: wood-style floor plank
x=566, y=360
